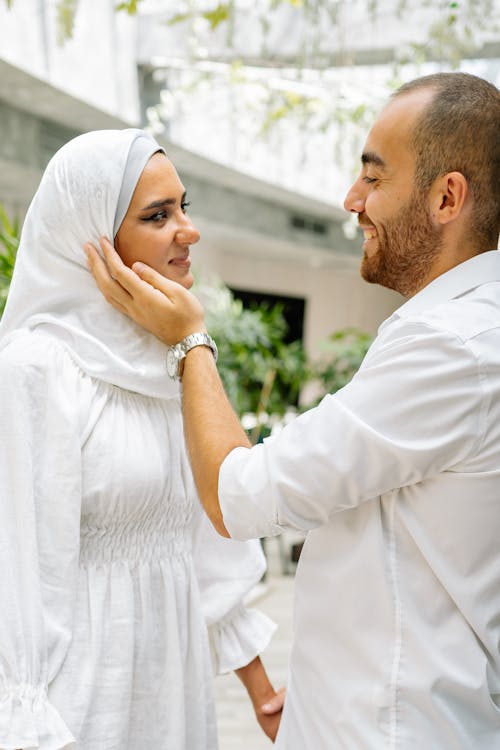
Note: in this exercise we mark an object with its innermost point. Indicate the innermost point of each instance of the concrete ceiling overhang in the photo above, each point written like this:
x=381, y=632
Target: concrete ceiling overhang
x=39, y=98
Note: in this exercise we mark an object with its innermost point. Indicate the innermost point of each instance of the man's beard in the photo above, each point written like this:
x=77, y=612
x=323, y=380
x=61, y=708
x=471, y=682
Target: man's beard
x=408, y=245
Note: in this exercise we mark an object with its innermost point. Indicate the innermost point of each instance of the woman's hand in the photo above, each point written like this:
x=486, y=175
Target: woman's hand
x=267, y=703
x=269, y=714
x=157, y=304
x=276, y=703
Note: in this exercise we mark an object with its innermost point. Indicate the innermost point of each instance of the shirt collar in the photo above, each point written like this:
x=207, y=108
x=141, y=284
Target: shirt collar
x=481, y=269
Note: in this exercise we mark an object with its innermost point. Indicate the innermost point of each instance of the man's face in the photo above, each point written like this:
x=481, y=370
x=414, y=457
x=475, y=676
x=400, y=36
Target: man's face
x=402, y=242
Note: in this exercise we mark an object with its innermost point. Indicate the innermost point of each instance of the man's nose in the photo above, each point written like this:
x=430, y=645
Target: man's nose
x=355, y=198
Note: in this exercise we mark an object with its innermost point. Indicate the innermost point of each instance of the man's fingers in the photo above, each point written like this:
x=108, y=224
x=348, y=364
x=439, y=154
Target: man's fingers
x=167, y=287
x=112, y=291
x=161, y=306
x=275, y=704
x=117, y=270
x=113, y=260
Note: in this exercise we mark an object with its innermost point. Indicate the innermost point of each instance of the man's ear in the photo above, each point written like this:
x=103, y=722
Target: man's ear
x=448, y=195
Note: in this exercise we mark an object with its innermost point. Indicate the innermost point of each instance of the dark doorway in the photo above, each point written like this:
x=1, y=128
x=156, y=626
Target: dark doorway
x=293, y=309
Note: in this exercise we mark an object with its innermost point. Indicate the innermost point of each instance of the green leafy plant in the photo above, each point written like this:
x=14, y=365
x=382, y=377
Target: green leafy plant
x=343, y=352
x=9, y=242
x=261, y=373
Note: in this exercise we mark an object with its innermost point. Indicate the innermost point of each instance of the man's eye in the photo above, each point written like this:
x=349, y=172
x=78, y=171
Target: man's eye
x=185, y=205
x=369, y=180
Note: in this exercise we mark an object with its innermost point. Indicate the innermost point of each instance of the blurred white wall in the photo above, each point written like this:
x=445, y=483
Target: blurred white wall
x=97, y=65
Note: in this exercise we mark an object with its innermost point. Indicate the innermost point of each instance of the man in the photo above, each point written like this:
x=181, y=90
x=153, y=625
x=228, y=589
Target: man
x=396, y=477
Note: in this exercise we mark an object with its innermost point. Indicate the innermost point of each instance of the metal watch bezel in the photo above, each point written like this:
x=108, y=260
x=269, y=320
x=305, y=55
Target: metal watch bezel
x=173, y=360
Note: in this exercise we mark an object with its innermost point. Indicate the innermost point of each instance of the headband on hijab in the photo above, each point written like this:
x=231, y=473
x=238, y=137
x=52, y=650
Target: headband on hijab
x=84, y=194
x=141, y=150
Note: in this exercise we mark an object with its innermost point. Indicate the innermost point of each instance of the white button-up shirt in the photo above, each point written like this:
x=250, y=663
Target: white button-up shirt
x=396, y=478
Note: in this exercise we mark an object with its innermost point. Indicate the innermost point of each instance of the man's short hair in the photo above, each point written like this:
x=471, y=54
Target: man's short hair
x=459, y=131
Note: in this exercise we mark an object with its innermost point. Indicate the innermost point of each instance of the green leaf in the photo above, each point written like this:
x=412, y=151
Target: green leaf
x=130, y=7
x=179, y=18
x=217, y=16
x=65, y=19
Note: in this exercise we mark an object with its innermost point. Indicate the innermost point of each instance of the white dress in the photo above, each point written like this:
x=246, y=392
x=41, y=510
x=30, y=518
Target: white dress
x=109, y=572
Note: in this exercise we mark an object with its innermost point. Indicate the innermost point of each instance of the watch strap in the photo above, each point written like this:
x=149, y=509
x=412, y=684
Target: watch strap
x=177, y=353
x=197, y=339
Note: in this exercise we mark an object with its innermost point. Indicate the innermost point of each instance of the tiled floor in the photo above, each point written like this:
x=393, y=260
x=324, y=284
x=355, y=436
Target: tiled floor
x=238, y=729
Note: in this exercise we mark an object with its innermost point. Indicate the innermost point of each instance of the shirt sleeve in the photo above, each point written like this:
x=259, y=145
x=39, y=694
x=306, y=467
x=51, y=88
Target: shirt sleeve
x=227, y=571
x=39, y=545
x=414, y=409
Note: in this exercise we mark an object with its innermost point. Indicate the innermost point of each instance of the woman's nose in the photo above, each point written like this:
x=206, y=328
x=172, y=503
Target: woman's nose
x=355, y=199
x=187, y=234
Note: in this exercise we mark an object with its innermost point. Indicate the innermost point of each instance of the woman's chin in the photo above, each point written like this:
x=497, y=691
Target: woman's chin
x=187, y=283
x=184, y=279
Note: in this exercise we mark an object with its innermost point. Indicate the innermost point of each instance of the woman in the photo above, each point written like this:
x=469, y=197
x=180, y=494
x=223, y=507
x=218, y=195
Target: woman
x=118, y=598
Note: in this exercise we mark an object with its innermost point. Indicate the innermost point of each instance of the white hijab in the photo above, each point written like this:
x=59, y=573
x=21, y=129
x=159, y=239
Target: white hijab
x=83, y=195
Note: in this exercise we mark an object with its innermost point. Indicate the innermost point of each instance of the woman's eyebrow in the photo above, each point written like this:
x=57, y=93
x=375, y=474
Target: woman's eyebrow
x=159, y=204
x=163, y=202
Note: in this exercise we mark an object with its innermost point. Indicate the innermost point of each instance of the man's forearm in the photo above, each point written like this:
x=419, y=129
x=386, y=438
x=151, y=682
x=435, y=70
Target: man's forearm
x=212, y=428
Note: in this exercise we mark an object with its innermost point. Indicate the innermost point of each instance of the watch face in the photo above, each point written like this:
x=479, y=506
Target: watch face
x=173, y=362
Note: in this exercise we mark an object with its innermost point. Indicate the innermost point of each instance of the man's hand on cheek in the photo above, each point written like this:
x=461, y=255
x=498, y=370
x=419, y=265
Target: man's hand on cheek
x=159, y=305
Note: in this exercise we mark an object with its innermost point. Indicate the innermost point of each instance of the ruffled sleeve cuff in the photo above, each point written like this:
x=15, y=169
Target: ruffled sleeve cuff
x=29, y=721
x=238, y=638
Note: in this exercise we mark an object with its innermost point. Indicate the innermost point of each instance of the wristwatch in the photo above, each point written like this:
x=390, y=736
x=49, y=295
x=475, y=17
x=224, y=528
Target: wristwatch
x=176, y=353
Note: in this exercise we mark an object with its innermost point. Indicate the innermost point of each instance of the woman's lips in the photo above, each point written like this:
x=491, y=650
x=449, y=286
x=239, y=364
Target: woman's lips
x=184, y=262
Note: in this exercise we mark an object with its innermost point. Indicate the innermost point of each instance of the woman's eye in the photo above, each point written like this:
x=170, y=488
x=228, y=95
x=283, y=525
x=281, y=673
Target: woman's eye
x=158, y=216
x=185, y=205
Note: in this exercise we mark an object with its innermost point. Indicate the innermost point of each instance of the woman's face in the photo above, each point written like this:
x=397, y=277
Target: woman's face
x=156, y=229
